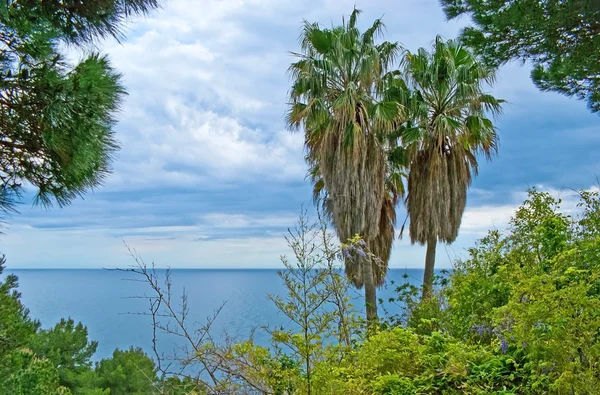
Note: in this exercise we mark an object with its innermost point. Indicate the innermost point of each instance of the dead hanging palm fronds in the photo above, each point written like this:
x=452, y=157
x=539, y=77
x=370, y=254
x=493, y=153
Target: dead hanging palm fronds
x=381, y=245
x=353, y=173
x=377, y=250
x=437, y=194
x=336, y=98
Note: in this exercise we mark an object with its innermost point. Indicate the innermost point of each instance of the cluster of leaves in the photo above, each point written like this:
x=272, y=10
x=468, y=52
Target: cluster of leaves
x=57, y=118
x=560, y=37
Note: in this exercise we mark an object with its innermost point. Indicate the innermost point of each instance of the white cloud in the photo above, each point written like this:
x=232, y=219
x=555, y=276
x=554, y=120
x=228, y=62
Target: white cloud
x=478, y=220
x=222, y=220
x=208, y=85
x=190, y=145
x=207, y=94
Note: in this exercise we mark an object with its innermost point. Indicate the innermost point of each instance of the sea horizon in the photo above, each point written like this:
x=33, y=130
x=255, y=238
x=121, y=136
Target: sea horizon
x=108, y=303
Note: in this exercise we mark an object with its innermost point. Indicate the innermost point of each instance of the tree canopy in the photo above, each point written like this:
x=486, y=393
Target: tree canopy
x=128, y=372
x=560, y=37
x=57, y=118
x=81, y=21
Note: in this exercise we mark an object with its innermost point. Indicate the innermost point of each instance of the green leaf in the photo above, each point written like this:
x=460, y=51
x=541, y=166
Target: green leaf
x=387, y=110
x=321, y=41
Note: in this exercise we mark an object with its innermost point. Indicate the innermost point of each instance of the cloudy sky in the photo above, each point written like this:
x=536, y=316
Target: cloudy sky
x=208, y=176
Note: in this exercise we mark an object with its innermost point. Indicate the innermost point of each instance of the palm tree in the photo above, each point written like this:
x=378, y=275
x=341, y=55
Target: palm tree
x=337, y=85
x=450, y=127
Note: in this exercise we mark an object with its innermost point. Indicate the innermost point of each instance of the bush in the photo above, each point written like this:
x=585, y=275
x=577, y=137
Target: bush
x=521, y=315
x=129, y=372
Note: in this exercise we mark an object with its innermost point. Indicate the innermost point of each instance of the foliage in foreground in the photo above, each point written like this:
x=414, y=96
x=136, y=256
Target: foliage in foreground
x=519, y=316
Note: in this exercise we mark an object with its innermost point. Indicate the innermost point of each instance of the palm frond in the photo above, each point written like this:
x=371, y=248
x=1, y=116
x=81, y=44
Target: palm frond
x=449, y=126
x=337, y=98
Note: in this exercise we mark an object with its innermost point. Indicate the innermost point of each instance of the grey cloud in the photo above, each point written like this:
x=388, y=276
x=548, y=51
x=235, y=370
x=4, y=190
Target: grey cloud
x=203, y=136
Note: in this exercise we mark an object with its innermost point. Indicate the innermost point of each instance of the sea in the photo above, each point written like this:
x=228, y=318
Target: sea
x=113, y=305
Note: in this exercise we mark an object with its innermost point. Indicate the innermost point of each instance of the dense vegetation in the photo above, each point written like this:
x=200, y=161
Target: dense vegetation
x=58, y=360
x=521, y=315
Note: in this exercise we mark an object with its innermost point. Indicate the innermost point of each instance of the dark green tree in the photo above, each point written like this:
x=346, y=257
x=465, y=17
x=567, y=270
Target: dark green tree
x=67, y=346
x=129, y=372
x=16, y=327
x=56, y=118
x=29, y=374
x=82, y=21
x=34, y=361
x=21, y=371
x=560, y=37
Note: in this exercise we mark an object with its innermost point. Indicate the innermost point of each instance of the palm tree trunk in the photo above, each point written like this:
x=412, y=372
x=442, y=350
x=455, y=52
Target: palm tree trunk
x=370, y=292
x=429, y=265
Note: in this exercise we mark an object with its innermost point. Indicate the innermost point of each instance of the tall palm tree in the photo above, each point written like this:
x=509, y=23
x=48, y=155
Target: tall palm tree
x=379, y=248
x=450, y=127
x=337, y=85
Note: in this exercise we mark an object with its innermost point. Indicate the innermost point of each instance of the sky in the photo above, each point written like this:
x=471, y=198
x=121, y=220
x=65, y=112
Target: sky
x=209, y=177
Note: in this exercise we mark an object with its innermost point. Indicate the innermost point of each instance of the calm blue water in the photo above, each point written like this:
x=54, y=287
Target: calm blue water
x=102, y=299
